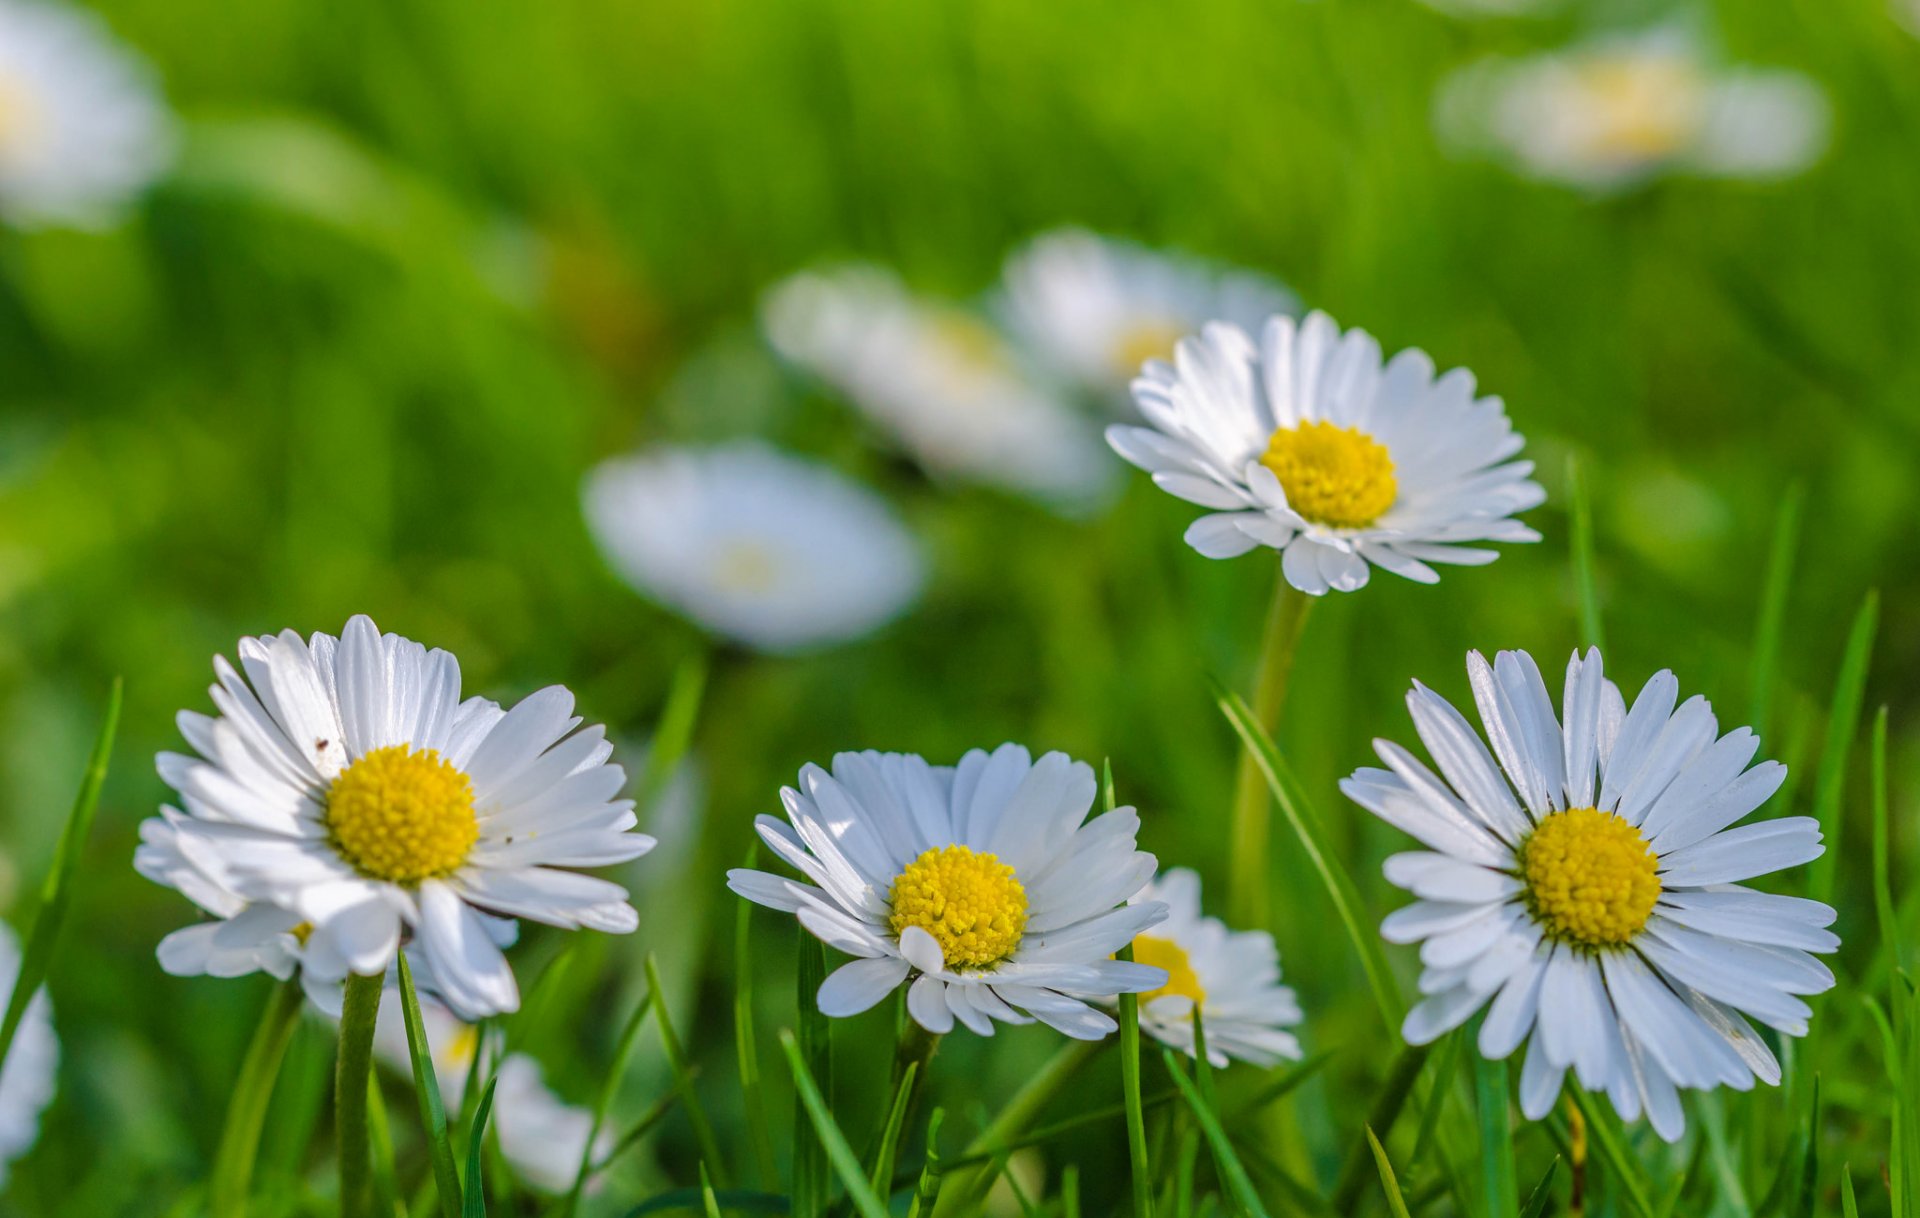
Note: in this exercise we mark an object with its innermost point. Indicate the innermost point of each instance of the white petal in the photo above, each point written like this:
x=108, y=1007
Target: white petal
x=857, y=986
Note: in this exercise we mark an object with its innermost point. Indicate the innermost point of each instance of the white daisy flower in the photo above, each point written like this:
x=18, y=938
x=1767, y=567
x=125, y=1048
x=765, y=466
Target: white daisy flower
x=1613, y=112
x=346, y=783
x=82, y=127
x=981, y=878
x=1096, y=308
x=1305, y=443
x=772, y=551
x=940, y=381
x=1232, y=976
x=27, y=1083
x=540, y=1134
x=1600, y=910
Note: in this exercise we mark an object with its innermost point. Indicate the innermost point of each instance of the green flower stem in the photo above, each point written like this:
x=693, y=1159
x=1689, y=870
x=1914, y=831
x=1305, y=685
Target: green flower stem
x=247, y=1106
x=352, y=1071
x=960, y=1190
x=1247, y=904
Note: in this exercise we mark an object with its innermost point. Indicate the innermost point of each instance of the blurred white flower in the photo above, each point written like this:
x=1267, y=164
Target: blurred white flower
x=986, y=879
x=27, y=1084
x=540, y=1134
x=940, y=381
x=775, y=552
x=346, y=783
x=1232, y=976
x=1615, y=111
x=1586, y=890
x=1306, y=443
x=1094, y=309
x=1492, y=8
x=82, y=126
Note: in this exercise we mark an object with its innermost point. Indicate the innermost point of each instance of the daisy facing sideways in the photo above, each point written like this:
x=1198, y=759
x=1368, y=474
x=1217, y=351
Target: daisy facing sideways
x=82, y=127
x=940, y=382
x=346, y=783
x=27, y=1084
x=770, y=550
x=1233, y=977
x=1613, y=112
x=1095, y=308
x=984, y=881
x=1591, y=897
x=1307, y=443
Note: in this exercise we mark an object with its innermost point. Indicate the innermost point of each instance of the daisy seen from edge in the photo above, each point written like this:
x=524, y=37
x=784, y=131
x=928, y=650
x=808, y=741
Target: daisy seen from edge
x=1586, y=891
x=347, y=783
x=1308, y=444
x=984, y=881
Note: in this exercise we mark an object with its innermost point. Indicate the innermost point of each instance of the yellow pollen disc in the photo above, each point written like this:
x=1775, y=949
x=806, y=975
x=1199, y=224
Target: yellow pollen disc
x=1591, y=878
x=746, y=567
x=402, y=816
x=462, y=1046
x=1643, y=109
x=1337, y=476
x=972, y=905
x=17, y=114
x=1166, y=954
x=972, y=346
x=1144, y=341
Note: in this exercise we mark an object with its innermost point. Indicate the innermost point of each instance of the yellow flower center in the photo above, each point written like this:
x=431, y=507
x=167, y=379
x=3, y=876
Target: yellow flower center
x=973, y=348
x=746, y=567
x=1644, y=108
x=17, y=114
x=461, y=1047
x=1166, y=954
x=1143, y=341
x=1591, y=878
x=402, y=816
x=972, y=905
x=1338, y=476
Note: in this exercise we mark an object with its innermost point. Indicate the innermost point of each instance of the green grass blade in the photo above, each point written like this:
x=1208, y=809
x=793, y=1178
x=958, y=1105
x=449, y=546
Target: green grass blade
x=1774, y=589
x=1070, y=1191
x=682, y=1073
x=648, y=1121
x=386, y=1177
x=1810, y=1165
x=1497, y=1182
x=839, y=1155
x=890, y=1135
x=1443, y=1074
x=1542, y=1195
x=474, y=1188
x=928, y=1189
x=1308, y=827
x=1586, y=584
x=1232, y=1173
x=56, y=891
x=816, y=1045
x=674, y=732
x=747, y=1043
x=1386, y=1110
x=1849, y=1208
x=1891, y=941
x=1282, y=1087
x=433, y=1113
x=1622, y=1170
x=1202, y=1068
x=609, y=1088
x=708, y=1202
x=231, y=1178
x=1843, y=722
x=1395, y=1202
x=1129, y=1019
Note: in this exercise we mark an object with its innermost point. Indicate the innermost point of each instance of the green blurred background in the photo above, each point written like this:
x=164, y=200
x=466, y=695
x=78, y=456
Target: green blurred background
x=421, y=264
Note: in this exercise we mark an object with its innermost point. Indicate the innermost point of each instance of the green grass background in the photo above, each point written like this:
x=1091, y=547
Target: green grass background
x=423, y=263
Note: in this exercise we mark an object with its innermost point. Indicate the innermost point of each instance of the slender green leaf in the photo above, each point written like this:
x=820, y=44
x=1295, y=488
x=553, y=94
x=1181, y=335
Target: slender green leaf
x=927, y=1191
x=1843, y=721
x=677, y=1059
x=1892, y=942
x=810, y=1188
x=649, y=1120
x=426, y=1088
x=474, y=1187
x=1585, y=582
x=674, y=732
x=1542, y=1195
x=746, y=1043
x=1386, y=1110
x=1497, y=1182
x=56, y=890
x=609, y=1089
x=1810, y=1165
x=839, y=1155
x=1774, y=588
x=1849, y=1208
x=1202, y=1068
x=708, y=1202
x=890, y=1134
x=1070, y=1191
x=1232, y=1173
x=1443, y=1074
x=1391, y=1186
x=232, y=1174
x=386, y=1179
x=1622, y=1170
x=1129, y=1018
x=1321, y=852
x=1282, y=1087
x=693, y=1201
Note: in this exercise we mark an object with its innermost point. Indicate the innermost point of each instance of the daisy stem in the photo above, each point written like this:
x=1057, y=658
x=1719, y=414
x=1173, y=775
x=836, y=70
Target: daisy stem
x=1577, y=1153
x=247, y=1106
x=960, y=1191
x=1252, y=811
x=353, y=1068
